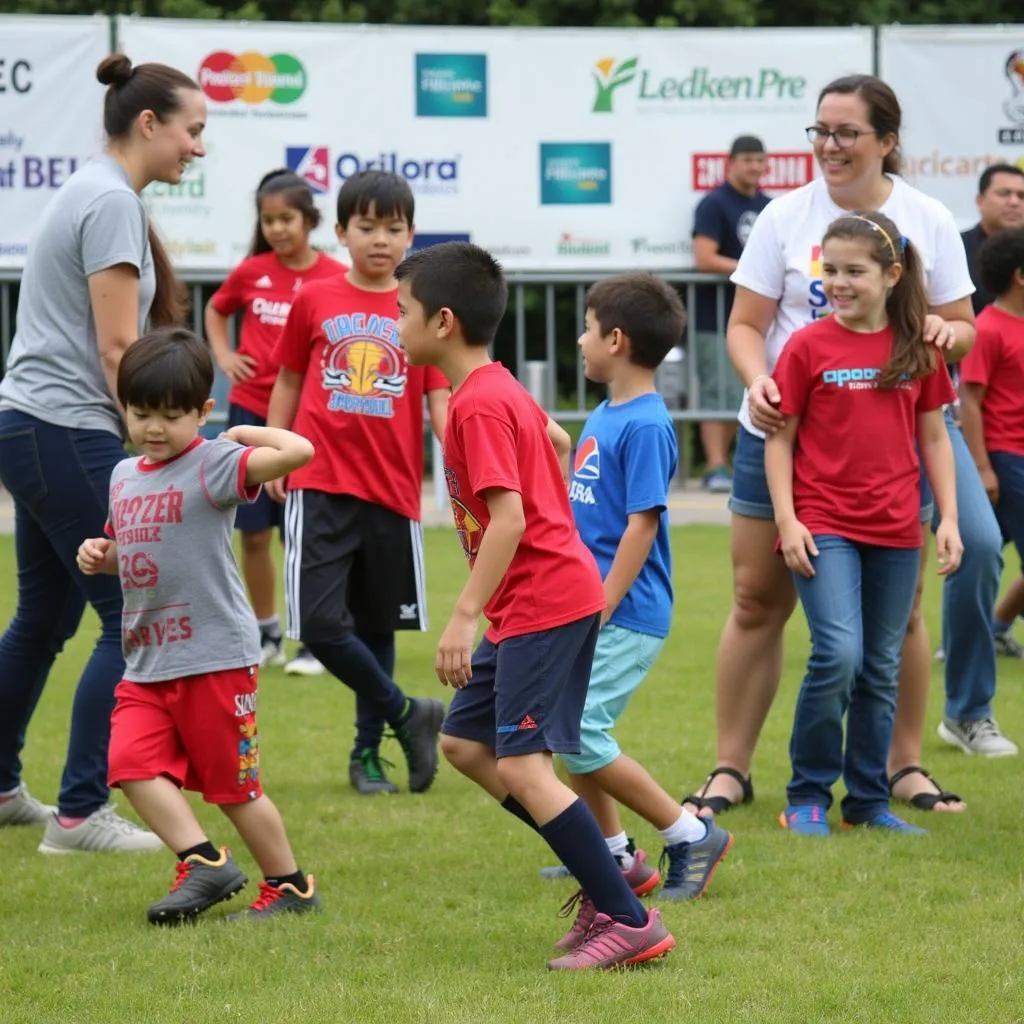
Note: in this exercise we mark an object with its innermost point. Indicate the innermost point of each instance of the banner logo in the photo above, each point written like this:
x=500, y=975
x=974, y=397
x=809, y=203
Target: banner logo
x=1014, y=106
x=252, y=78
x=608, y=76
x=451, y=85
x=311, y=164
x=786, y=171
x=575, y=172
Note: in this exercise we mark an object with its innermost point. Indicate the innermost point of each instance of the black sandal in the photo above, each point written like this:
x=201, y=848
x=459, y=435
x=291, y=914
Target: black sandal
x=923, y=801
x=721, y=804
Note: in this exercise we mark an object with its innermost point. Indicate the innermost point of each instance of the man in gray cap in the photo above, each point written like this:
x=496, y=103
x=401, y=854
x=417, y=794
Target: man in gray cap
x=721, y=226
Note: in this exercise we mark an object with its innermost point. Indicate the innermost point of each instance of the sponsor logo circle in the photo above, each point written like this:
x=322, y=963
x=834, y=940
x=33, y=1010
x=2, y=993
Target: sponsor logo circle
x=252, y=77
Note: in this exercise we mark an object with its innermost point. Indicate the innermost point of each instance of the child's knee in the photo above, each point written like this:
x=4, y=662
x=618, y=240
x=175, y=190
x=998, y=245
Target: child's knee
x=464, y=755
x=520, y=774
x=838, y=659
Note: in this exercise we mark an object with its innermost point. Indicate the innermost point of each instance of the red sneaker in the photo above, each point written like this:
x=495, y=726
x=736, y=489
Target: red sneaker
x=610, y=944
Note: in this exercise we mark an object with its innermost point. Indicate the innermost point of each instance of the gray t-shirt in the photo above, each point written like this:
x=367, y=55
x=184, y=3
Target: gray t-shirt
x=185, y=608
x=94, y=222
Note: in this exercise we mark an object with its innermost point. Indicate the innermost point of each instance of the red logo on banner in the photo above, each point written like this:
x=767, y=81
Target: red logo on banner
x=786, y=171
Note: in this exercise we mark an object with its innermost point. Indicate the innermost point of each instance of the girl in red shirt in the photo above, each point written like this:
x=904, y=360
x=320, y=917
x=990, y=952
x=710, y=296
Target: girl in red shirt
x=859, y=388
x=264, y=285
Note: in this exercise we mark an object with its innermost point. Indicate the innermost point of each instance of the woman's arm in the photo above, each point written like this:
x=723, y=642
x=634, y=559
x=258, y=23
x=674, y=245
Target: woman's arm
x=114, y=296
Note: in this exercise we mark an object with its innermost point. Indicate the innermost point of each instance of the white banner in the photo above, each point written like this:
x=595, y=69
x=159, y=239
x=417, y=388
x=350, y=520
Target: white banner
x=962, y=92
x=50, y=115
x=555, y=149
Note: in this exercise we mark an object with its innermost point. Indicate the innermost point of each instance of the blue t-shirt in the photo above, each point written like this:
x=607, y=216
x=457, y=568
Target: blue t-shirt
x=727, y=216
x=625, y=462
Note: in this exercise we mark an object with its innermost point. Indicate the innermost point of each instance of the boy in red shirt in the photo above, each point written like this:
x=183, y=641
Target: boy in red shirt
x=353, y=541
x=992, y=391
x=519, y=697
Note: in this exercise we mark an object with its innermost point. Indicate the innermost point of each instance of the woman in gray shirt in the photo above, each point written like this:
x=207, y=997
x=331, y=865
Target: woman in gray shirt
x=95, y=275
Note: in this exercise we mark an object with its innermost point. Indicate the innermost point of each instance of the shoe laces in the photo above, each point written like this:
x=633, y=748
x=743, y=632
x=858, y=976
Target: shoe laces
x=108, y=817
x=677, y=858
x=374, y=765
x=183, y=868
x=586, y=914
x=269, y=894
x=807, y=814
x=986, y=728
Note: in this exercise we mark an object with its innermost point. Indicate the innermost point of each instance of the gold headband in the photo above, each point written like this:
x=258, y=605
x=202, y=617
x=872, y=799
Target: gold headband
x=882, y=231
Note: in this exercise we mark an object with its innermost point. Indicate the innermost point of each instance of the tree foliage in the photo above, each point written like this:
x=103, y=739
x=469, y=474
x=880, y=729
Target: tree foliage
x=564, y=13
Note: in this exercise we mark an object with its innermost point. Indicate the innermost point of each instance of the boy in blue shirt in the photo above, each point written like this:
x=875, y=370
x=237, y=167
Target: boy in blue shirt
x=623, y=469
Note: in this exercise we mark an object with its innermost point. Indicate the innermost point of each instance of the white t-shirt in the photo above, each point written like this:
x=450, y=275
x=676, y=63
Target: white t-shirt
x=782, y=258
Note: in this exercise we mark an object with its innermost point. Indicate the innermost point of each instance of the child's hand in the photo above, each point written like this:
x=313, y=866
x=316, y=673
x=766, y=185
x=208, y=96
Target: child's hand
x=92, y=555
x=454, y=651
x=991, y=483
x=949, y=547
x=938, y=332
x=276, y=489
x=798, y=547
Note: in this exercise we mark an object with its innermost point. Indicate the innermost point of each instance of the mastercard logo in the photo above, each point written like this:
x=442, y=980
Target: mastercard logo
x=252, y=77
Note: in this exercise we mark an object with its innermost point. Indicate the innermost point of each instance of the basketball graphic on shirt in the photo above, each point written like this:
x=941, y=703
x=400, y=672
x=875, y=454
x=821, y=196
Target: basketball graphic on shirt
x=468, y=527
x=588, y=460
x=366, y=367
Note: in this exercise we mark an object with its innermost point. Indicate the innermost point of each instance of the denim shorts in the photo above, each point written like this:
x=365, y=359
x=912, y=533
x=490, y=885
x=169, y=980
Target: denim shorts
x=622, y=659
x=750, y=495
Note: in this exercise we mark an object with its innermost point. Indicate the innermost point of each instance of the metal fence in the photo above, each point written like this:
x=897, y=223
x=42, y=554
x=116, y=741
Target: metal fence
x=537, y=340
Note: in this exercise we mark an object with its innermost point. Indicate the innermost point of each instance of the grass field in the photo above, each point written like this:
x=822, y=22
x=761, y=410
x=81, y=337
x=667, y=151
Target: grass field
x=434, y=911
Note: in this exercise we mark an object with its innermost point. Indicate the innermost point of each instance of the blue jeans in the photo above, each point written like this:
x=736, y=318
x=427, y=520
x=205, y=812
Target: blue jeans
x=60, y=481
x=1009, y=509
x=857, y=606
x=969, y=595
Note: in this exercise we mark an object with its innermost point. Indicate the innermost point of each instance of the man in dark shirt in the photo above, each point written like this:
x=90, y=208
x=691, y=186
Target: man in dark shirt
x=721, y=225
x=1001, y=205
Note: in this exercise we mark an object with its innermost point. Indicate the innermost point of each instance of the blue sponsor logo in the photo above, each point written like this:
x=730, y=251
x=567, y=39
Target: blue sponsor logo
x=438, y=176
x=451, y=85
x=425, y=239
x=573, y=173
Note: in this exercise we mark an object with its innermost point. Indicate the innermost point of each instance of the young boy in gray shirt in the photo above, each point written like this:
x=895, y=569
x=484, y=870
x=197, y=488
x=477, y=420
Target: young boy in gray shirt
x=185, y=713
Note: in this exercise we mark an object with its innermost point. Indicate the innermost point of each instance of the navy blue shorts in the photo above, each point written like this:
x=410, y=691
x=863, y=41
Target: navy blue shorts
x=526, y=694
x=264, y=513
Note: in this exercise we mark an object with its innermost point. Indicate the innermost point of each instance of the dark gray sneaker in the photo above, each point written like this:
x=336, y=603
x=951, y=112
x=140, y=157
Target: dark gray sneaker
x=418, y=737
x=280, y=899
x=200, y=883
x=691, y=865
x=366, y=774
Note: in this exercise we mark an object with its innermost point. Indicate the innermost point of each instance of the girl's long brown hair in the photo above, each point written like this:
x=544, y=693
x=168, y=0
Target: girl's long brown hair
x=907, y=304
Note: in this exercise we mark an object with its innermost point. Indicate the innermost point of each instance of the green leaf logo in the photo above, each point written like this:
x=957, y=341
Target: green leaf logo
x=608, y=76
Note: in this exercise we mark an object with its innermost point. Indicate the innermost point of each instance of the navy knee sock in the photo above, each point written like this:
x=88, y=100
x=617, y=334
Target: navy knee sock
x=577, y=842
x=517, y=810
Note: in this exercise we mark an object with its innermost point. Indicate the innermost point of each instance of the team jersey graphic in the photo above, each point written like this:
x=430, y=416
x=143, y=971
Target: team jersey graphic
x=362, y=367
x=588, y=460
x=468, y=527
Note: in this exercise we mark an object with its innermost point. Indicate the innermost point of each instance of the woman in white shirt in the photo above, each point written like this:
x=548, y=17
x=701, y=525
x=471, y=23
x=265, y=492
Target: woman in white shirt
x=779, y=290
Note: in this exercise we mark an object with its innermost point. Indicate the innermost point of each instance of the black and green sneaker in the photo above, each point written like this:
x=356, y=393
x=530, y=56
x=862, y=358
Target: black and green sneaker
x=366, y=773
x=198, y=885
x=418, y=735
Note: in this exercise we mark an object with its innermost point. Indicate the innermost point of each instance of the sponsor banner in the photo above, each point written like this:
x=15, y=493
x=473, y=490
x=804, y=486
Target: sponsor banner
x=593, y=158
x=50, y=116
x=962, y=93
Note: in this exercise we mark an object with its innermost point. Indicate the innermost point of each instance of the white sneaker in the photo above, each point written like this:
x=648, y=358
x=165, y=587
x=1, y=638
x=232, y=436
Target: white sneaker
x=25, y=809
x=982, y=737
x=303, y=664
x=272, y=652
x=104, y=831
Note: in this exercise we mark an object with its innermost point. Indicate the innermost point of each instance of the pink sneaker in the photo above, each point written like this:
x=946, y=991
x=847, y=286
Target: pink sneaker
x=610, y=944
x=642, y=877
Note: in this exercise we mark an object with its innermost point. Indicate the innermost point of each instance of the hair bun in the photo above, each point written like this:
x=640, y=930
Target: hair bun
x=115, y=69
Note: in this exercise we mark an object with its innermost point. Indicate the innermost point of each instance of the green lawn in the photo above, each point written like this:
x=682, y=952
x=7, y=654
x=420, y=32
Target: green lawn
x=434, y=911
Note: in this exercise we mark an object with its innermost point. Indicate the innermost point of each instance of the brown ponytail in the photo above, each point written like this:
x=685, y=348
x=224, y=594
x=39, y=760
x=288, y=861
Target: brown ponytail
x=170, y=301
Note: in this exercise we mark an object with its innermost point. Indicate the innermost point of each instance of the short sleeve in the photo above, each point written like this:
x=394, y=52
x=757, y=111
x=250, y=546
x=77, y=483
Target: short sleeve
x=708, y=220
x=950, y=278
x=650, y=458
x=490, y=451
x=292, y=348
x=762, y=265
x=792, y=376
x=435, y=380
x=222, y=474
x=936, y=389
x=979, y=365
x=234, y=292
x=113, y=231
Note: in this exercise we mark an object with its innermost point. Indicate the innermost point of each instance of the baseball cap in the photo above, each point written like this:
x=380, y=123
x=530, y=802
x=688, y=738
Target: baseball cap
x=746, y=144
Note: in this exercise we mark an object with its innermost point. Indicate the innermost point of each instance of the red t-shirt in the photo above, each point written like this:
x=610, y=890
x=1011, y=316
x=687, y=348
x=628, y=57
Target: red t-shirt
x=266, y=288
x=361, y=403
x=497, y=437
x=997, y=362
x=856, y=472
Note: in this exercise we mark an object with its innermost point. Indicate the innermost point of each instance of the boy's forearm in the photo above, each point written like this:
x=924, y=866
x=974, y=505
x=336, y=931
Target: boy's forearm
x=284, y=400
x=497, y=549
x=630, y=556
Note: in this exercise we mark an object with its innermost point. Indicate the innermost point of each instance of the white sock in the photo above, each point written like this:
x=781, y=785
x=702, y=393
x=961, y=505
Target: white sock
x=271, y=626
x=619, y=848
x=687, y=828
x=10, y=795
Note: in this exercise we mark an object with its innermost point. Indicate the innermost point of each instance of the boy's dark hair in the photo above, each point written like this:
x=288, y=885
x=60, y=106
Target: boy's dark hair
x=297, y=195
x=1000, y=256
x=646, y=309
x=985, y=181
x=464, y=278
x=907, y=304
x=166, y=369
x=388, y=193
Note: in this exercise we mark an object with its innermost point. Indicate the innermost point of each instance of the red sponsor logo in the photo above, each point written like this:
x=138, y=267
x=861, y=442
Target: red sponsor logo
x=786, y=171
